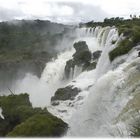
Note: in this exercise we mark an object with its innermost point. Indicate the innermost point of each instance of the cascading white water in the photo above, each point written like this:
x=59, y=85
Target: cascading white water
x=99, y=109
x=54, y=70
x=41, y=90
x=110, y=93
x=98, y=114
x=104, y=62
x=107, y=98
x=87, y=79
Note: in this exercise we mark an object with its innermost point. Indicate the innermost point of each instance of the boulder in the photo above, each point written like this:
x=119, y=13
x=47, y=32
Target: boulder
x=67, y=93
x=96, y=54
x=138, y=54
x=70, y=64
x=80, y=46
x=89, y=66
x=81, y=57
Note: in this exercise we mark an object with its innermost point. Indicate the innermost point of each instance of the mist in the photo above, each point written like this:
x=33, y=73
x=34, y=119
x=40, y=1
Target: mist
x=33, y=44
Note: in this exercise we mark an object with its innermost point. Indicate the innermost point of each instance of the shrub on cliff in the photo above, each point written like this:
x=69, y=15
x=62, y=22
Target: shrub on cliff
x=39, y=125
x=123, y=48
x=16, y=109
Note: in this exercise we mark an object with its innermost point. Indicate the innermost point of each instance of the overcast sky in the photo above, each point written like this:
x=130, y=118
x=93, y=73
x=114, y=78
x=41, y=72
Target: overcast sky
x=67, y=11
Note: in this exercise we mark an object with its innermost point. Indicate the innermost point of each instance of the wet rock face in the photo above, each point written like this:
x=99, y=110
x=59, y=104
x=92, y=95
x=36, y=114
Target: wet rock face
x=81, y=57
x=138, y=54
x=67, y=93
x=82, y=54
x=80, y=46
x=96, y=54
x=89, y=66
x=70, y=64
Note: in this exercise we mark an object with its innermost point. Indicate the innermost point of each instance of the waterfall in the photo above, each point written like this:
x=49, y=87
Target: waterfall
x=103, y=111
x=104, y=61
x=51, y=79
x=106, y=92
x=54, y=70
x=84, y=80
x=105, y=102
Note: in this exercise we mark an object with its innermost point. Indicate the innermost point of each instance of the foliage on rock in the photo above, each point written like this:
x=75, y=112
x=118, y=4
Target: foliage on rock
x=16, y=109
x=39, y=125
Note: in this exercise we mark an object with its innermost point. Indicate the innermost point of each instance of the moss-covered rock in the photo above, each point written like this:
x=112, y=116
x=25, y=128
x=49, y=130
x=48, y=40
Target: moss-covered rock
x=123, y=48
x=10, y=109
x=16, y=109
x=40, y=125
x=81, y=57
x=80, y=46
x=82, y=54
x=90, y=66
x=11, y=102
x=67, y=93
x=132, y=39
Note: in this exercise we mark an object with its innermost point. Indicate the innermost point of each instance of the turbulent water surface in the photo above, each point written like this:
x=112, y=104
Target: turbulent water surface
x=107, y=92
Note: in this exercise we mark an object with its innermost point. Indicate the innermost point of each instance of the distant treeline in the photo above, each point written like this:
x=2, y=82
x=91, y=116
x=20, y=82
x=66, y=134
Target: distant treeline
x=114, y=21
x=26, y=45
x=28, y=35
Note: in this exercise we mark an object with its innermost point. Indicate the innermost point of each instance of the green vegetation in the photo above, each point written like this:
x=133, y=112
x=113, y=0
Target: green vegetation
x=81, y=57
x=29, y=36
x=123, y=48
x=26, y=46
x=21, y=119
x=132, y=39
x=39, y=125
x=114, y=21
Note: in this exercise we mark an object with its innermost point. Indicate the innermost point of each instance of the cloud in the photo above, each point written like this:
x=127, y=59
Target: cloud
x=67, y=11
x=10, y=14
x=81, y=13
